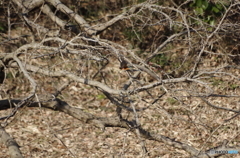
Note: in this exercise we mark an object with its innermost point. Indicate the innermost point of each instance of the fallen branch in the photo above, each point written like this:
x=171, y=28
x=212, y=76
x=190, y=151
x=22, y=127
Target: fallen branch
x=11, y=144
x=115, y=121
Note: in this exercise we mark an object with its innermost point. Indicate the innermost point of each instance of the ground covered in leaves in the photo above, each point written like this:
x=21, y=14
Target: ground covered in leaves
x=45, y=133
x=180, y=114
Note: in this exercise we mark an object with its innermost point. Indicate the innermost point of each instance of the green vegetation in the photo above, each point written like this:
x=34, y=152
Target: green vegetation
x=171, y=101
x=208, y=11
x=217, y=82
x=101, y=96
x=9, y=75
x=3, y=27
x=161, y=59
x=135, y=37
x=233, y=86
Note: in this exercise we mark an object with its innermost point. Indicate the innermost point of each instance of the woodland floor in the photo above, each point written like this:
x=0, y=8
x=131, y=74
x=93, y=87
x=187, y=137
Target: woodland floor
x=45, y=133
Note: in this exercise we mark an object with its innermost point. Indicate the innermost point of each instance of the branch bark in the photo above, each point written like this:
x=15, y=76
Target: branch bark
x=11, y=144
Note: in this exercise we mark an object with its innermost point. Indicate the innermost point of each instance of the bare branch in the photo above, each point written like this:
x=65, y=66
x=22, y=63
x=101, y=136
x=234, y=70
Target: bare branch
x=73, y=77
x=11, y=144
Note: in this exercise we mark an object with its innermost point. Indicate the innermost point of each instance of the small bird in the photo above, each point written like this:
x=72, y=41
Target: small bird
x=124, y=65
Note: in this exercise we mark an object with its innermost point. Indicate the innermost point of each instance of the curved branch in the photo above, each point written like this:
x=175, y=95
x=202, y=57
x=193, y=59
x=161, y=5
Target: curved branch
x=73, y=77
x=46, y=10
x=100, y=85
x=11, y=144
x=32, y=81
x=82, y=22
x=28, y=5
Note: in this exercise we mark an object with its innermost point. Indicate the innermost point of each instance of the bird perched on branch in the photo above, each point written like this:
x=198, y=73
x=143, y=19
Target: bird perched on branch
x=124, y=65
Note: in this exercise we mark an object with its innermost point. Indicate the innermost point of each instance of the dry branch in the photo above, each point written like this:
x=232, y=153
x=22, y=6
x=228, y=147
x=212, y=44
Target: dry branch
x=11, y=144
x=73, y=77
x=181, y=68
